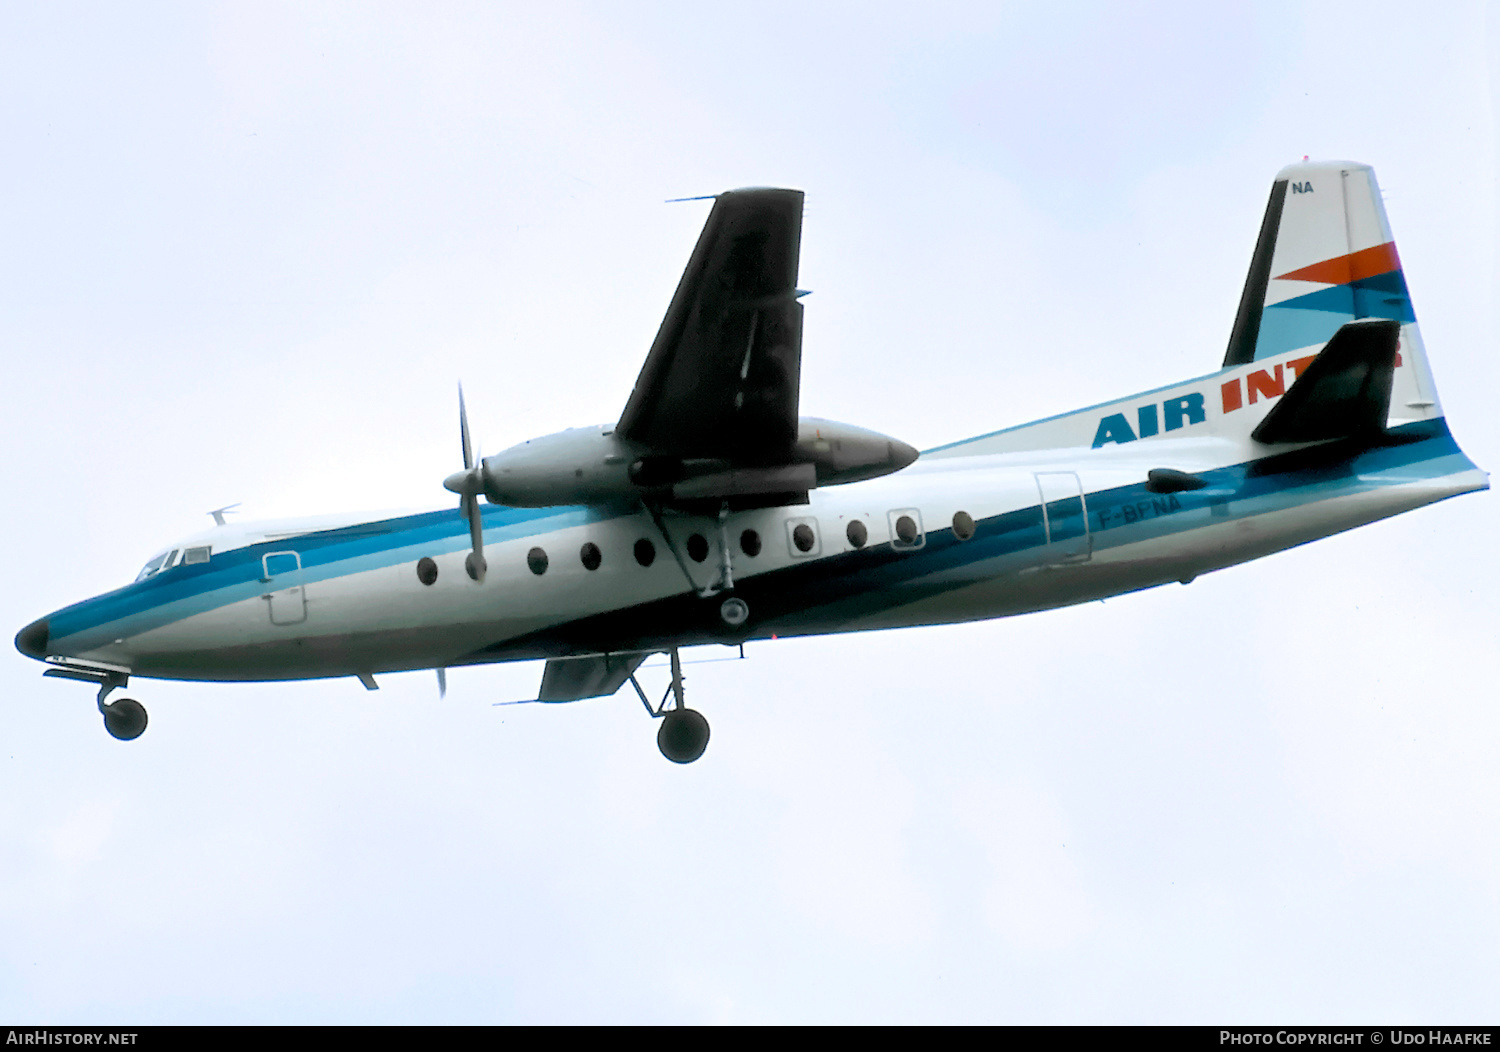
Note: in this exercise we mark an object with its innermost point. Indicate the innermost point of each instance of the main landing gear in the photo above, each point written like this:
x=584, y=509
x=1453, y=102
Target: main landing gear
x=733, y=613
x=683, y=734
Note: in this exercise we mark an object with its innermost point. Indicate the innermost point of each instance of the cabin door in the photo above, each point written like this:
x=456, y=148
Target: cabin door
x=1064, y=517
x=284, y=593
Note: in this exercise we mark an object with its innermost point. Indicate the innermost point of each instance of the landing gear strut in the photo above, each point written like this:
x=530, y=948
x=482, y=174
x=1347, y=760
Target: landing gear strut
x=733, y=612
x=725, y=582
x=683, y=734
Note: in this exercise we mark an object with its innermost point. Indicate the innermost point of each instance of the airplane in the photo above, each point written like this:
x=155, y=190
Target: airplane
x=711, y=512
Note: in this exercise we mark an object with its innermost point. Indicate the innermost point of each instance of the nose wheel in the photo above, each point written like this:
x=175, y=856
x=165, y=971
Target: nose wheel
x=683, y=734
x=124, y=719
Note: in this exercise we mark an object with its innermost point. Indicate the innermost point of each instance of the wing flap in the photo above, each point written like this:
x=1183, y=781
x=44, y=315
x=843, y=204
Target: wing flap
x=597, y=676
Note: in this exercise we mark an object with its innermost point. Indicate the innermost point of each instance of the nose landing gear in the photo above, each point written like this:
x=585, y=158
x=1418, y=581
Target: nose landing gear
x=683, y=734
x=124, y=719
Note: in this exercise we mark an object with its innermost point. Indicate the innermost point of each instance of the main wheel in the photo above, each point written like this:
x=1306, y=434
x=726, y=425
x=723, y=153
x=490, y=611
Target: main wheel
x=683, y=735
x=125, y=719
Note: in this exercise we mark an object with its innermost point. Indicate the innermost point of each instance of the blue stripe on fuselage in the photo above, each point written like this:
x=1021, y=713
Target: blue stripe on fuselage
x=235, y=575
x=829, y=593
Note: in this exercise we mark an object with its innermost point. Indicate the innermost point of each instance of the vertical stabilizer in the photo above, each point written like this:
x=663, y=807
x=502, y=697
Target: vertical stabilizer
x=1326, y=257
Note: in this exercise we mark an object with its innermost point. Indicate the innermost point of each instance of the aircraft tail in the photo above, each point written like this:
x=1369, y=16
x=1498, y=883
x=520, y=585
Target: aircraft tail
x=1326, y=257
x=1325, y=274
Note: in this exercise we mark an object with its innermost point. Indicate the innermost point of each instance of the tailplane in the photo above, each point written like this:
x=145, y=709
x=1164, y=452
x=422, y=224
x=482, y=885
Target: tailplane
x=1345, y=392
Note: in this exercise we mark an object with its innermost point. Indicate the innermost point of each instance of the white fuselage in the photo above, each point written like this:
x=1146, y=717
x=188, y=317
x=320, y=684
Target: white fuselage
x=1051, y=528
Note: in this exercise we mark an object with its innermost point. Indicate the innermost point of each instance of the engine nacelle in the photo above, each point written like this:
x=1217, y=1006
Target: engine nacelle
x=583, y=465
x=845, y=453
x=590, y=465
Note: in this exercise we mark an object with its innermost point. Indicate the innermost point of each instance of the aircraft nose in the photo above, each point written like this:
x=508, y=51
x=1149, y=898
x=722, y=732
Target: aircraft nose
x=32, y=640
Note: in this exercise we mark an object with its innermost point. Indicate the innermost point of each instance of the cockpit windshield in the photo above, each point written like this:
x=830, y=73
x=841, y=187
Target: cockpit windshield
x=153, y=567
x=168, y=559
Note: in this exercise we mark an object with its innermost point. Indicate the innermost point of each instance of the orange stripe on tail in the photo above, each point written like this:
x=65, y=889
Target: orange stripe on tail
x=1341, y=270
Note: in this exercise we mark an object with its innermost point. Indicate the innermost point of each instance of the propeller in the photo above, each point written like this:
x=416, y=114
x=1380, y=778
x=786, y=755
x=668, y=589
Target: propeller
x=469, y=484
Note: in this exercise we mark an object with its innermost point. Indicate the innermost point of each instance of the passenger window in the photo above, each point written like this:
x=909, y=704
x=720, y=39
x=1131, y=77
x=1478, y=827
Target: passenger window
x=857, y=534
x=645, y=552
x=536, y=559
x=750, y=543
x=426, y=570
x=802, y=535
x=906, y=529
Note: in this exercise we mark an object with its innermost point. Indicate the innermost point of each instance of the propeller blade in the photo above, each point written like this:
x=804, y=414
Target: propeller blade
x=463, y=427
x=476, y=525
x=471, y=479
x=474, y=562
x=468, y=484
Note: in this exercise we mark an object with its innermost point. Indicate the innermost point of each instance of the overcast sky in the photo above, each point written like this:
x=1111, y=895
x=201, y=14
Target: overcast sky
x=246, y=251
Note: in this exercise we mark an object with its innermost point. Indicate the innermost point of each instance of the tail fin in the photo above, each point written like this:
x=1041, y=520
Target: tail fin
x=1326, y=257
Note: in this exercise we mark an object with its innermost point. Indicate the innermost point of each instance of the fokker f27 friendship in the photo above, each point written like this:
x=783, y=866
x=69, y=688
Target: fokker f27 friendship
x=711, y=512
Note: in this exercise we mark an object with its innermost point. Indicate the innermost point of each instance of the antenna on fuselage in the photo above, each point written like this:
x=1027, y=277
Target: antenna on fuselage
x=218, y=513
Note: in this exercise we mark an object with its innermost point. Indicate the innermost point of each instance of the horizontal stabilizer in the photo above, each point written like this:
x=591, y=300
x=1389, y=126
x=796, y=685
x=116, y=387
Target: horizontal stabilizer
x=573, y=679
x=1345, y=392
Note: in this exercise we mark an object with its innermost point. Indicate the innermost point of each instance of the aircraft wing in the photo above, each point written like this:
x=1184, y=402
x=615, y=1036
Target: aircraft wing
x=721, y=380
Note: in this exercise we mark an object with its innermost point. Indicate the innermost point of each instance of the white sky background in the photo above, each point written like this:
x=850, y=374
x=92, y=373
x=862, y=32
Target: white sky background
x=247, y=250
